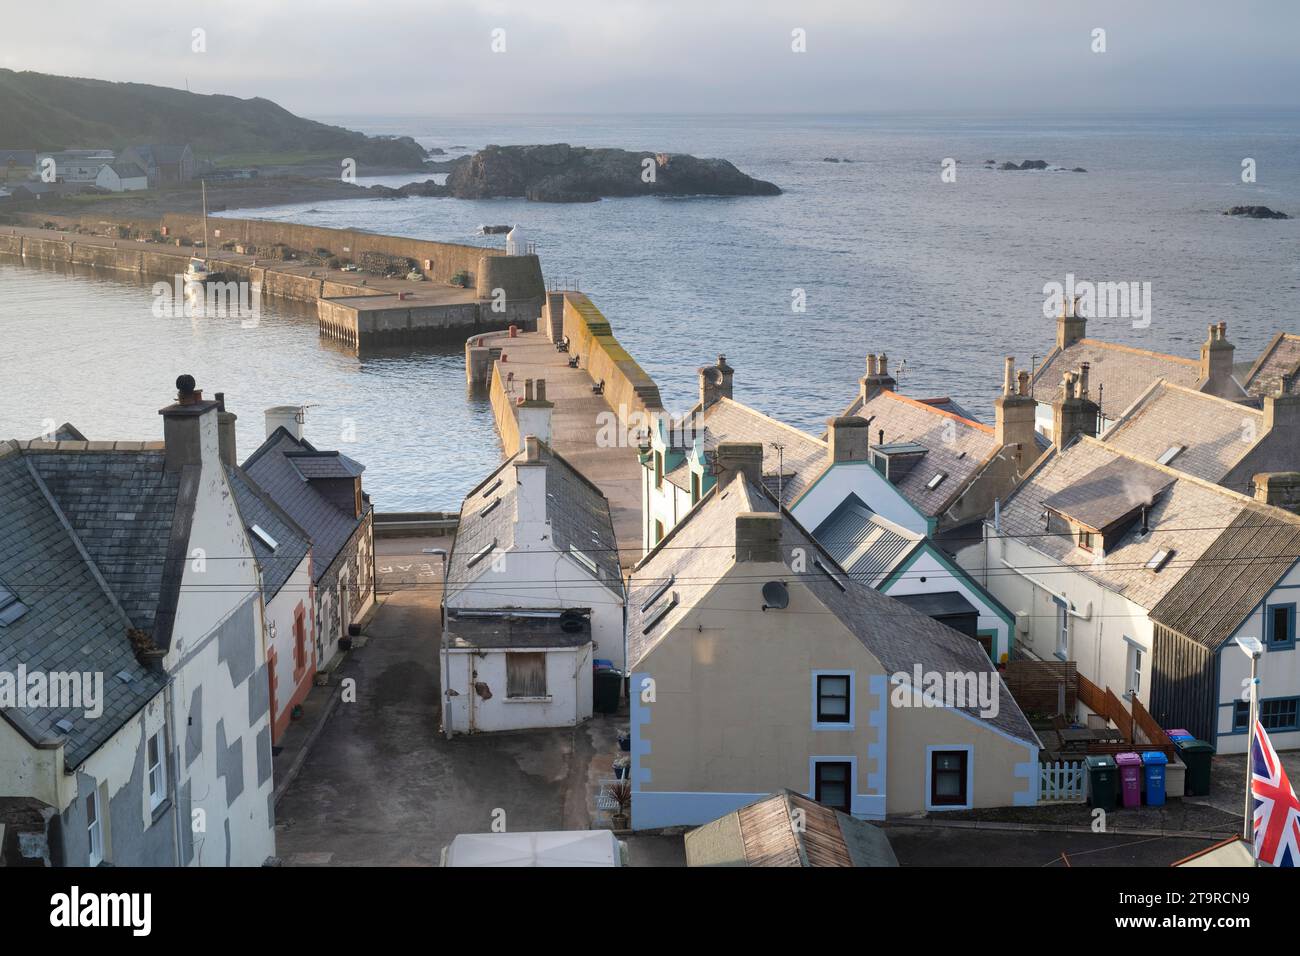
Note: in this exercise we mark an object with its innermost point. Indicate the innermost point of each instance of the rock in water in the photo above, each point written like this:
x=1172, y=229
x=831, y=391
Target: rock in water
x=1256, y=212
x=1027, y=164
x=558, y=172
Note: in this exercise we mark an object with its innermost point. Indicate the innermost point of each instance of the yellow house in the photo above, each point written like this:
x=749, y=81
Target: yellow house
x=758, y=664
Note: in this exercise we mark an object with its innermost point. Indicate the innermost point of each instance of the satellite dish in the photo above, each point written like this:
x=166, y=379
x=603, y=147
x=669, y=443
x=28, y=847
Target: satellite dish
x=775, y=596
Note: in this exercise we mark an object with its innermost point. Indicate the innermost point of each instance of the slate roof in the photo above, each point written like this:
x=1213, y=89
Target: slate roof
x=127, y=170
x=763, y=834
x=700, y=550
x=1186, y=519
x=161, y=153
x=1109, y=492
x=466, y=629
x=1281, y=357
x=121, y=504
x=1232, y=576
x=324, y=464
x=1119, y=374
x=72, y=624
x=865, y=544
x=272, y=467
x=802, y=459
x=1210, y=429
x=256, y=507
x=955, y=444
x=577, y=510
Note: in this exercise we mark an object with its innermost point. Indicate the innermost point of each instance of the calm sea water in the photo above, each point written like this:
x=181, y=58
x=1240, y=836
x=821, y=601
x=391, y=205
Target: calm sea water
x=945, y=277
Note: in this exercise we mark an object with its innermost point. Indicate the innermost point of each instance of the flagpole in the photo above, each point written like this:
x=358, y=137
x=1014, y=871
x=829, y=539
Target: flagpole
x=1248, y=826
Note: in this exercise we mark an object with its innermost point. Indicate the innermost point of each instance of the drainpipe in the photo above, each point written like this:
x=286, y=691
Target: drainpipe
x=169, y=720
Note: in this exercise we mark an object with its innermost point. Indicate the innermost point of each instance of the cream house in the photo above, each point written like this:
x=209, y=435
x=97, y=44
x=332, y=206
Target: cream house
x=758, y=664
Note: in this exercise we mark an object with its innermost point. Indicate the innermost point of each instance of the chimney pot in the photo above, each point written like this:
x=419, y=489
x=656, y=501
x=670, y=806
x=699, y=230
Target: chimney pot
x=871, y=363
x=1278, y=488
x=528, y=389
x=1008, y=374
x=539, y=389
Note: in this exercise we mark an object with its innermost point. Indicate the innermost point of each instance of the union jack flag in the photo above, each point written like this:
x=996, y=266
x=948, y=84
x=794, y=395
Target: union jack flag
x=1277, y=812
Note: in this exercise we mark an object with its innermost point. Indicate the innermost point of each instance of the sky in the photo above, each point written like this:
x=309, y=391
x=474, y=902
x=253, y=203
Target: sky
x=423, y=57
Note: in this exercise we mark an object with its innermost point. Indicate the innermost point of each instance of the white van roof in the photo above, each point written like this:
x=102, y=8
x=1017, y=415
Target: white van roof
x=551, y=848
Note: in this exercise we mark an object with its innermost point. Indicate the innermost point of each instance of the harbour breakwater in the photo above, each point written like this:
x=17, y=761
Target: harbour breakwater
x=492, y=290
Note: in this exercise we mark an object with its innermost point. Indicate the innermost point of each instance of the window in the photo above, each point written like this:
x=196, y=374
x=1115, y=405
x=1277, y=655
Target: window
x=1170, y=453
x=299, y=641
x=94, y=829
x=261, y=535
x=936, y=481
x=1085, y=540
x=1158, y=560
x=659, y=531
x=833, y=783
x=1241, y=715
x=1134, y=670
x=834, y=699
x=1062, y=629
x=695, y=487
x=1281, y=625
x=659, y=469
x=525, y=675
x=157, y=758
x=1280, y=714
x=948, y=778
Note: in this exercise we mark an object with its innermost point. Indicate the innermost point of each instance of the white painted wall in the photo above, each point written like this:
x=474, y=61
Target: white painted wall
x=928, y=575
x=568, y=686
x=860, y=478
x=280, y=612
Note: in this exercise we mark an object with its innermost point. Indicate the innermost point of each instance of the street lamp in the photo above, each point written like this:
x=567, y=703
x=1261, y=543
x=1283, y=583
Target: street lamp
x=1252, y=648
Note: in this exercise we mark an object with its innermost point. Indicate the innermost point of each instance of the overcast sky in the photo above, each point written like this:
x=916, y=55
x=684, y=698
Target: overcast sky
x=389, y=57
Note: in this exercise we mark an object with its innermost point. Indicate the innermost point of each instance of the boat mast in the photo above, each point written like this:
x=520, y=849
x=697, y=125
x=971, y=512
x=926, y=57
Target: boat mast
x=203, y=184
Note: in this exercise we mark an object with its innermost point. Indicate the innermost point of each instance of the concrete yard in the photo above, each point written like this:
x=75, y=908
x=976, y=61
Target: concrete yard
x=576, y=425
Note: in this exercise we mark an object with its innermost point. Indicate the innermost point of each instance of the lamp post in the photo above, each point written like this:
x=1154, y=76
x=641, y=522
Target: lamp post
x=1252, y=648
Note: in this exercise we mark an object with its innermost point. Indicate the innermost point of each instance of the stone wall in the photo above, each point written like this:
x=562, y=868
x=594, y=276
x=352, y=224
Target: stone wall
x=627, y=386
x=503, y=410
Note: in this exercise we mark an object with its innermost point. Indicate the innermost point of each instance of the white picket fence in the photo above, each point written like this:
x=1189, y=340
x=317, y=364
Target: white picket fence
x=1064, y=781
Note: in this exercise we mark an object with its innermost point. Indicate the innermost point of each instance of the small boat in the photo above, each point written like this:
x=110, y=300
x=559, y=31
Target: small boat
x=197, y=271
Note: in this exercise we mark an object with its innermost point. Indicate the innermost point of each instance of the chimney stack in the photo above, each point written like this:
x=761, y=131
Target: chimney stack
x=848, y=438
x=758, y=537
x=1014, y=413
x=288, y=417
x=533, y=414
x=877, y=378
x=1070, y=325
x=226, y=431
x=715, y=382
x=530, y=493
x=1278, y=488
x=189, y=431
x=1282, y=415
x=1073, y=413
x=1216, y=363
x=738, y=458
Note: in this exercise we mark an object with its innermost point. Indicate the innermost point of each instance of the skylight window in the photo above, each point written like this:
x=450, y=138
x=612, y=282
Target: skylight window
x=11, y=609
x=936, y=481
x=124, y=677
x=482, y=553
x=491, y=488
x=65, y=725
x=659, y=614
x=585, y=560
x=260, y=534
x=658, y=593
x=1159, y=560
x=835, y=578
x=490, y=508
x=1170, y=453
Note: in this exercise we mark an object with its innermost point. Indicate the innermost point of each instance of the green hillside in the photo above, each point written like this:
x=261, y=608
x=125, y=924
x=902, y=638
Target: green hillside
x=41, y=111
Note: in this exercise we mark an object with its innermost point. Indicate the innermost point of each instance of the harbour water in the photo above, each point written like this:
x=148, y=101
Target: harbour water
x=946, y=277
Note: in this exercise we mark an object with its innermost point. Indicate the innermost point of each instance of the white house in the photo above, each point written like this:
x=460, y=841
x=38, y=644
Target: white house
x=121, y=177
x=533, y=598
x=156, y=526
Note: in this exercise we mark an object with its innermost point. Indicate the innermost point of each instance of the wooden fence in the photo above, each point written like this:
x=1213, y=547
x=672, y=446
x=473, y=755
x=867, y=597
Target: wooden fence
x=1043, y=687
x=1062, y=781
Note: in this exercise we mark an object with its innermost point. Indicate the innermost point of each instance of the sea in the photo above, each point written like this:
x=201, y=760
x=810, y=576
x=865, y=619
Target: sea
x=878, y=252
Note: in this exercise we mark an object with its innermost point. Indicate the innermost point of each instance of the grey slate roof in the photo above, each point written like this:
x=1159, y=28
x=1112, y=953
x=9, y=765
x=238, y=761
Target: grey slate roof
x=1281, y=358
x=1212, y=430
x=1234, y=574
x=1185, y=520
x=1116, y=373
x=256, y=507
x=935, y=603
x=1110, y=492
x=272, y=467
x=865, y=544
x=577, y=510
x=956, y=445
x=700, y=550
x=72, y=623
x=121, y=504
x=324, y=464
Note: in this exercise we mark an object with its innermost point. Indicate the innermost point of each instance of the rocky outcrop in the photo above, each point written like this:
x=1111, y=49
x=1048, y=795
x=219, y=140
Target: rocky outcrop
x=559, y=172
x=426, y=188
x=1027, y=164
x=1256, y=212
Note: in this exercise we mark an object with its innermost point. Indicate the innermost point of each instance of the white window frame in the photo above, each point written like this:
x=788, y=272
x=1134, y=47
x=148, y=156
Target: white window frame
x=970, y=776
x=834, y=725
x=158, y=796
x=94, y=828
x=1133, y=668
x=1062, y=629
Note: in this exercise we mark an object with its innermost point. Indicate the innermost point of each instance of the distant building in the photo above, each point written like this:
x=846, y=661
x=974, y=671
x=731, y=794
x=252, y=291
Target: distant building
x=79, y=166
x=534, y=597
x=164, y=164
x=17, y=163
x=320, y=491
x=121, y=178
x=1277, y=369
x=129, y=559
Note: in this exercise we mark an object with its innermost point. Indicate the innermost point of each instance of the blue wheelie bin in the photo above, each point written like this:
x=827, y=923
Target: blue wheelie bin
x=1153, y=768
